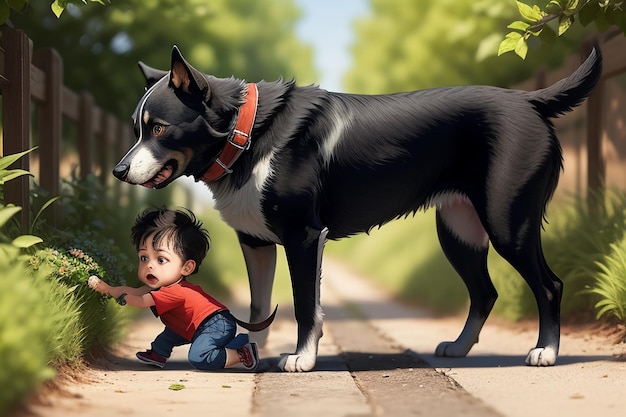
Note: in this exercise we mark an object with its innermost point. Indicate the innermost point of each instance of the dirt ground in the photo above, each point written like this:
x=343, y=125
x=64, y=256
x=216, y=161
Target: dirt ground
x=375, y=359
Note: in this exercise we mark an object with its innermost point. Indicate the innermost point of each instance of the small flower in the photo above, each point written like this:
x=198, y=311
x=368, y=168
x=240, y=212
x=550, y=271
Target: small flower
x=77, y=253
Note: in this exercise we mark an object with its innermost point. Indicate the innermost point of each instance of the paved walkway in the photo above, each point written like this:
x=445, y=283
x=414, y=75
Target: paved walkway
x=367, y=366
x=589, y=378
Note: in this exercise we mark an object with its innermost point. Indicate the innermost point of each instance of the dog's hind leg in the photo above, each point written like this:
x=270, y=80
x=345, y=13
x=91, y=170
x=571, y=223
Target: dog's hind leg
x=465, y=243
x=304, y=250
x=527, y=258
x=514, y=220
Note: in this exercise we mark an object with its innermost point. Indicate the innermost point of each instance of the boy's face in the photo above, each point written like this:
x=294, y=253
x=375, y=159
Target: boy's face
x=161, y=267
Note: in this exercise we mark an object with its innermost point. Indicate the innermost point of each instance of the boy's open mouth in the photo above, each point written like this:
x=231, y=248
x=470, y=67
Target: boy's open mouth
x=152, y=279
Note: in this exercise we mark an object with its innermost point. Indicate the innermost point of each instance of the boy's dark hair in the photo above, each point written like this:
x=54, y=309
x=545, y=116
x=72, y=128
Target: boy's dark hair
x=189, y=239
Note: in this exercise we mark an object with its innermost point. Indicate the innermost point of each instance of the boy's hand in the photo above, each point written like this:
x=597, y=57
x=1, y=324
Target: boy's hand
x=93, y=282
x=98, y=285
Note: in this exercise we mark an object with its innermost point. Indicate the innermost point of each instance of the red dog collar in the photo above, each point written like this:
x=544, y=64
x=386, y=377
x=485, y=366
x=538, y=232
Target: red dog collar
x=240, y=140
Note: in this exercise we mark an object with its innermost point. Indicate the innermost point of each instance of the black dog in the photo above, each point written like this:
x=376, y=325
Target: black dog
x=298, y=165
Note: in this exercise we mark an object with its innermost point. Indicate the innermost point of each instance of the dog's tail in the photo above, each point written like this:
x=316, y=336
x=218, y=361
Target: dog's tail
x=257, y=327
x=569, y=92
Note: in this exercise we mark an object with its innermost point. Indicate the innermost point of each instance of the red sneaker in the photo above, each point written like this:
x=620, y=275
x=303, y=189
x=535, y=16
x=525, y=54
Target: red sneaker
x=249, y=356
x=152, y=358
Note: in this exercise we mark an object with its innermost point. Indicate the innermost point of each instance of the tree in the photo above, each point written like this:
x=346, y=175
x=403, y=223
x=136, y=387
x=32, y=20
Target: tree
x=100, y=46
x=556, y=18
x=57, y=7
x=411, y=44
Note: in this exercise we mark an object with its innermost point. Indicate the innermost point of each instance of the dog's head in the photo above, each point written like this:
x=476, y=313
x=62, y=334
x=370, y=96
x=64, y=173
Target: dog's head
x=181, y=124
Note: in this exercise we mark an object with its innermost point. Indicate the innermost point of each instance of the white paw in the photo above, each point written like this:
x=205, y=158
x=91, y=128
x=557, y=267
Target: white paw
x=296, y=363
x=451, y=350
x=541, y=357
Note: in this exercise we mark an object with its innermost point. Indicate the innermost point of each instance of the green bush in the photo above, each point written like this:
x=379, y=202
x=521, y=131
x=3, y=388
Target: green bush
x=49, y=318
x=39, y=329
x=610, y=284
x=100, y=324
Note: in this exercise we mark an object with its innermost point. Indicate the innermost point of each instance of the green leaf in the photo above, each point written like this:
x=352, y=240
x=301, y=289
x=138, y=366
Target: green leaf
x=616, y=17
x=519, y=25
x=26, y=241
x=532, y=14
x=602, y=22
x=11, y=174
x=176, y=387
x=509, y=43
x=588, y=13
x=48, y=203
x=521, y=49
x=7, y=212
x=555, y=7
x=572, y=5
x=5, y=161
x=57, y=8
x=564, y=24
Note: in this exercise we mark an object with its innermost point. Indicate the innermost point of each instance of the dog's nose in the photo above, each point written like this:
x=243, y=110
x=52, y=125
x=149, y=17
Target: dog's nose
x=121, y=171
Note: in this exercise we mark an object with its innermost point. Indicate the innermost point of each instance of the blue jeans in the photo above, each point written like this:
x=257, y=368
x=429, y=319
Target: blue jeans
x=208, y=346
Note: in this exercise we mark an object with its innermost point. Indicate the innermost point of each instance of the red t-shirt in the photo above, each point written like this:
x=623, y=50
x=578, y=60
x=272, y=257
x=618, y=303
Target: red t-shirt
x=183, y=306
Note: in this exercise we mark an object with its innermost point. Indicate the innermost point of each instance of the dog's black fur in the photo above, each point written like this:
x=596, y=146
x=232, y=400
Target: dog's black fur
x=325, y=165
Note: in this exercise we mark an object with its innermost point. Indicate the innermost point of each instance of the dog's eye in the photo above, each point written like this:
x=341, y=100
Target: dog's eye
x=158, y=129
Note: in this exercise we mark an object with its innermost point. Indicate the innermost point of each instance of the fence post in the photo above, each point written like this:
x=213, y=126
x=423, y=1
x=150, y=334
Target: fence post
x=106, y=143
x=50, y=126
x=123, y=143
x=85, y=133
x=16, y=115
x=596, y=166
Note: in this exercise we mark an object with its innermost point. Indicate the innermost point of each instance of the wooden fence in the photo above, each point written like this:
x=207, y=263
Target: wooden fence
x=593, y=136
x=37, y=78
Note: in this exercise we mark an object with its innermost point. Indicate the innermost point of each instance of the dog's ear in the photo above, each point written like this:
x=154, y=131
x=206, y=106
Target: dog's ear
x=152, y=75
x=185, y=77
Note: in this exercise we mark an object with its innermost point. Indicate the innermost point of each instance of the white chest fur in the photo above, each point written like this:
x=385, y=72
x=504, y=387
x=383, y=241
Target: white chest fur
x=241, y=208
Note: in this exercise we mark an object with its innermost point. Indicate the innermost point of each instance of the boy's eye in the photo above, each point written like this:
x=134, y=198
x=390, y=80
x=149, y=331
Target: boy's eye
x=143, y=258
x=162, y=260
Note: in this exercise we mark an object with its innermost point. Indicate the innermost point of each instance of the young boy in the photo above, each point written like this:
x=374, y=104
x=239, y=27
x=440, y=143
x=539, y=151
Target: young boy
x=171, y=246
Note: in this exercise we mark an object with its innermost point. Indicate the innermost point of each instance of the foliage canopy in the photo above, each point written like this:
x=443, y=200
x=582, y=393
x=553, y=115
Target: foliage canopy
x=556, y=18
x=412, y=44
x=101, y=46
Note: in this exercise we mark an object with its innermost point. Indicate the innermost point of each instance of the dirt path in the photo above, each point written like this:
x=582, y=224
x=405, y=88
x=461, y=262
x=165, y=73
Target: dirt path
x=367, y=366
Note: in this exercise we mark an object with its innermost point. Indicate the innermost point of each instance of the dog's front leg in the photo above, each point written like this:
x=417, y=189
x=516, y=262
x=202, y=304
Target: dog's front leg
x=261, y=265
x=304, y=250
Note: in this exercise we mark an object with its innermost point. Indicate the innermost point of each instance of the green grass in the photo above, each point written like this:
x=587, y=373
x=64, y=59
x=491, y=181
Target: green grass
x=24, y=339
x=610, y=285
x=49, y=318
